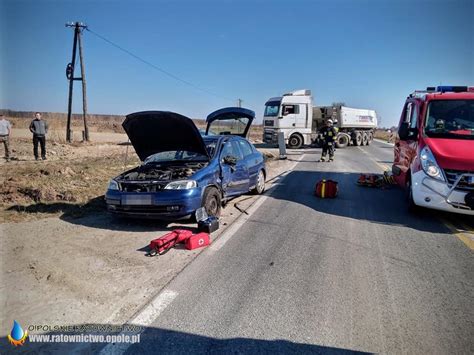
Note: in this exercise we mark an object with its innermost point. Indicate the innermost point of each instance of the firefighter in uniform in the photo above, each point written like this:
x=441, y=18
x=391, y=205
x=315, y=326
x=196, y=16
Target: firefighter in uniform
x=328, y=133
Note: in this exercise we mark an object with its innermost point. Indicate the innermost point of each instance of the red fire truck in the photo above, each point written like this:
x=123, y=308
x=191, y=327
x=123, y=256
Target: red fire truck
x=434, y=149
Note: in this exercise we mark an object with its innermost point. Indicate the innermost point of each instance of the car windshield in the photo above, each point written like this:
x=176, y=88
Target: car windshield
x=271, y=109
x=202, y=132
x=211, y=147
x=450, y=119
x=182, y=155
x=229, y=126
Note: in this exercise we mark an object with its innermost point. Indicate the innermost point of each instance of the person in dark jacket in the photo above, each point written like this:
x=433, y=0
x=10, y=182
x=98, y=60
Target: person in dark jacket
x=39, y=128
x=328, y=133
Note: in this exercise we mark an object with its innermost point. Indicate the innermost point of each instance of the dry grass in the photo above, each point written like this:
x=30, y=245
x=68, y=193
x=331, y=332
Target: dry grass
x=382, y=134
x=96, y=123
x=32, y=190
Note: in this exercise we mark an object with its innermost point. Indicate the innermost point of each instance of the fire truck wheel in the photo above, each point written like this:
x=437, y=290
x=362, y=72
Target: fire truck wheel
x=412, y=207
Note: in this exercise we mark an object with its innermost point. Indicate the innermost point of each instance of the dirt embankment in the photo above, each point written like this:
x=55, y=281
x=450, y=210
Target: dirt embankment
x=72, y=180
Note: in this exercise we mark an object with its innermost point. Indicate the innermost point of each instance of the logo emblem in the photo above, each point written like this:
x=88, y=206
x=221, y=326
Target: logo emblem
x=17, y=336
x=201, y=241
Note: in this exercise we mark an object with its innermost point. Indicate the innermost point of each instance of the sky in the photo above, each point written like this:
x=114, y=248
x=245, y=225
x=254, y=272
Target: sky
x=367, y=53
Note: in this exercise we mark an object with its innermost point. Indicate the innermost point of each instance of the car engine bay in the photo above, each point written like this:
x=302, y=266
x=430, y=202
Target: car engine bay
x=154, y=177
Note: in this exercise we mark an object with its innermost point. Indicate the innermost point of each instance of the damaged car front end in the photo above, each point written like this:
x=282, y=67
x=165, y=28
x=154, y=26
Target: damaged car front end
x=156, y=189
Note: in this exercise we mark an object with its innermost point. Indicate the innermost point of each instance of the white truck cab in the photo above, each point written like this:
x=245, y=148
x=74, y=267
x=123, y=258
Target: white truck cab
x=291, y=114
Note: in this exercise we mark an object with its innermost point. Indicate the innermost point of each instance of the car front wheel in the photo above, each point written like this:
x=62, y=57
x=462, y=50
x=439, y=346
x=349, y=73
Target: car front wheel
x=212, y=202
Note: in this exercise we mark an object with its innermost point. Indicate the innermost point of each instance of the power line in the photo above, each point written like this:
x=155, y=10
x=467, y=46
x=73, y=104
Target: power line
x=157, y=68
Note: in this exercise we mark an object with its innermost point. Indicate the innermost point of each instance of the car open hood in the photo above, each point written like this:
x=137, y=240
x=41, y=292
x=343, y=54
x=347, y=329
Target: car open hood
x=228, y=114
x=456, y=154
x=152, y=132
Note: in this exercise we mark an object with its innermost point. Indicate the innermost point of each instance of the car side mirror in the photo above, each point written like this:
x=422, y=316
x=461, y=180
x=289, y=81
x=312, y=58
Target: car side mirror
x=406, y=133
x=230, y=160
x=403, y=131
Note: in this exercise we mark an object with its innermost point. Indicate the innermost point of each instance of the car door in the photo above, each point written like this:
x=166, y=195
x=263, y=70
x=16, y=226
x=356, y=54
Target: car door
x=252, y=161
x=405, y=148
x=235, y=176
x=290, y=113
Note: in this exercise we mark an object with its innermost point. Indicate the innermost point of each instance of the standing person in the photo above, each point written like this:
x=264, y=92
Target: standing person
x=5, y=129
x=329, y=134
x=39, y=128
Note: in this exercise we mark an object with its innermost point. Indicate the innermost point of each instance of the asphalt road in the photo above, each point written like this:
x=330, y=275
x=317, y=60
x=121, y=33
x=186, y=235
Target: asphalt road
x=357, y=273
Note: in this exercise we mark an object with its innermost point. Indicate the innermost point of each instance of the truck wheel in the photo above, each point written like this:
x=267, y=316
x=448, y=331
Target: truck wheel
x=365, y=138
x=357, y=138
x=342, y=141
x=371, y=137
x=295, y=141
x=211, y=201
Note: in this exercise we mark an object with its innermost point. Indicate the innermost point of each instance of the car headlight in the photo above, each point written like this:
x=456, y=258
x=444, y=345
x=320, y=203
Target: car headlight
x=429, y=164
x=181, y=185
x=113, y=185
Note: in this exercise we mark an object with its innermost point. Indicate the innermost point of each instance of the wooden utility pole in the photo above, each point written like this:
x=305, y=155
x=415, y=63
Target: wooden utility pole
x=78, y=27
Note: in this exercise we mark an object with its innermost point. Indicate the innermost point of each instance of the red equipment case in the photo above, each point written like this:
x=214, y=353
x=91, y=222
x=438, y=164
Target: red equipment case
x=326, y=189
x=197, y=241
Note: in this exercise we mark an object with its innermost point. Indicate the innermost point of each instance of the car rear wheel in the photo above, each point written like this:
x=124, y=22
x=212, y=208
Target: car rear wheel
x=260, y=186
x=212, y=202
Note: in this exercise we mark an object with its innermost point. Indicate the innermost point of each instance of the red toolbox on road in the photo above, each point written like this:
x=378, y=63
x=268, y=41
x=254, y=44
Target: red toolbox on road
x=197, y=241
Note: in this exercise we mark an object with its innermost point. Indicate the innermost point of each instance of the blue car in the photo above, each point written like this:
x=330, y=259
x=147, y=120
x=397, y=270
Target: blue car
x=183, y=170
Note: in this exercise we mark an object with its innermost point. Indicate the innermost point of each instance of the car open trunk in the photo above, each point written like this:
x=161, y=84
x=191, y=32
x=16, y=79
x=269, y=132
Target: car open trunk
x=230, y=120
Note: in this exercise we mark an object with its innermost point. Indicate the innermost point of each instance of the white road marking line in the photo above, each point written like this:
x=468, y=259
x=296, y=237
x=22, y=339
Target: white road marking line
x=224, y=238
x=144, y=318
